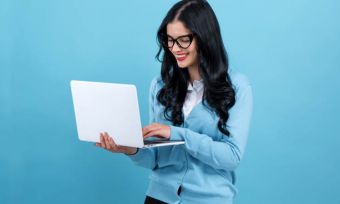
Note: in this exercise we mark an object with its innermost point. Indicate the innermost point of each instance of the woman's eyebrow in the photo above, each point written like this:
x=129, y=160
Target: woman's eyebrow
x=178, y=36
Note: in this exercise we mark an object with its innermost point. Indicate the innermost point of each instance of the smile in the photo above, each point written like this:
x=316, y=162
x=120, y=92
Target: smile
x=181, y=57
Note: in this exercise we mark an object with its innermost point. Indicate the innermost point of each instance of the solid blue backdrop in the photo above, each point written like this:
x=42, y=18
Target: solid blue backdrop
x=290, y=51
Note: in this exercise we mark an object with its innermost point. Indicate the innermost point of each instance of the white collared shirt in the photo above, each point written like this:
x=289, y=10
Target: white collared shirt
x=193, y=97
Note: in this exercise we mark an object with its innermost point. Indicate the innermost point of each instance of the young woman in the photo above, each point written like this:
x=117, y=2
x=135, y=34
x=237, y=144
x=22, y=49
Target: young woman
x=196, y=99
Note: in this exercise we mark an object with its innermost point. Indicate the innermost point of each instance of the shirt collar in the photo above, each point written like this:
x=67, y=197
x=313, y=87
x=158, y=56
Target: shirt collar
x=197, y=85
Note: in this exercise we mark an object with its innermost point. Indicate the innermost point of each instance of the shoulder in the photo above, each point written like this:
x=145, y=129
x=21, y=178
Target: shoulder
x=238, y=79
x=157, y=80
x=156, y=84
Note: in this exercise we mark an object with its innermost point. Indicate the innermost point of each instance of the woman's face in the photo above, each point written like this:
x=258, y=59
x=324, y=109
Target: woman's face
x=186, y=52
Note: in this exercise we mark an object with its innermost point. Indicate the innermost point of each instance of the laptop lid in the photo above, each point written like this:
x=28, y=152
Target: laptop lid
x=107, y=107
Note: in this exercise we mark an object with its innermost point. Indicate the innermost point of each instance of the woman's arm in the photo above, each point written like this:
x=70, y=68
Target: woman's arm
x=147, y=157
x=226, y=153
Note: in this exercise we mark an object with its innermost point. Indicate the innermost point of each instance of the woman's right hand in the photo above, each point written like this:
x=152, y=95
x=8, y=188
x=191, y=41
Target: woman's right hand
x=106, y=142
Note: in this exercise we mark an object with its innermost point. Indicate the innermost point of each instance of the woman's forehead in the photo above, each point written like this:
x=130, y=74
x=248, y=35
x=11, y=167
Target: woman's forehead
x=176, y=28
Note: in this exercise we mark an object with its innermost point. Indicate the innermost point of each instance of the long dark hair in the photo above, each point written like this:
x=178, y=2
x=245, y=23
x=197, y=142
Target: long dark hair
x=200, y=19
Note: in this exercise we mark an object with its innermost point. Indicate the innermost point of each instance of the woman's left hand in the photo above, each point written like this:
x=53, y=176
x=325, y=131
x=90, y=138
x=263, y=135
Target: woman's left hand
x=156, y=130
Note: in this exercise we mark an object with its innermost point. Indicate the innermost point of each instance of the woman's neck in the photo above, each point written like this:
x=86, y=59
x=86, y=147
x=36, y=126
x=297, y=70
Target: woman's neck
x=194, y=73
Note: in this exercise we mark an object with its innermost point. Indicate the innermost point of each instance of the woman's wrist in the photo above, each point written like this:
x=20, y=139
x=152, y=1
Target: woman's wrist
x=132, y=152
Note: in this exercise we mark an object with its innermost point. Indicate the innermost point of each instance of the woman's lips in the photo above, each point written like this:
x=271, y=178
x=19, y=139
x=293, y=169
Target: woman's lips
x=181, y=57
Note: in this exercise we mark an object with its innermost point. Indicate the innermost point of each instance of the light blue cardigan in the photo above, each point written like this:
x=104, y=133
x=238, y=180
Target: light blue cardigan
x=203, y=167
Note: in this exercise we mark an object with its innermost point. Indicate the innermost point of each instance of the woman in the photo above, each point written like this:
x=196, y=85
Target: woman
x=199, y=100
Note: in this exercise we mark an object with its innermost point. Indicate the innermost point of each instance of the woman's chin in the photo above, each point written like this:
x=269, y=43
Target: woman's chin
x=182, y=65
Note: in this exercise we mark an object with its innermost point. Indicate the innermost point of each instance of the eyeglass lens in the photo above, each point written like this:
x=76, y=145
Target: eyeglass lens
x=182, y=41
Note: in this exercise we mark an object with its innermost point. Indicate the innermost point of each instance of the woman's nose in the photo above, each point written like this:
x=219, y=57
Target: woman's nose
x=176, y=48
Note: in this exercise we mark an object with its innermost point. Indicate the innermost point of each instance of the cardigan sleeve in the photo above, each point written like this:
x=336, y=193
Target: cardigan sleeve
x=226, y=153
x=146, y=157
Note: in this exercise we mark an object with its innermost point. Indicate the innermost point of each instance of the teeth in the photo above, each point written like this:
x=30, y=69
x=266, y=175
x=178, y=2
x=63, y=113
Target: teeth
x=181, y=55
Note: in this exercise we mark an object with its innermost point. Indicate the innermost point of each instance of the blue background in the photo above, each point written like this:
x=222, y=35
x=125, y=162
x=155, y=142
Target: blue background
x=289, y=49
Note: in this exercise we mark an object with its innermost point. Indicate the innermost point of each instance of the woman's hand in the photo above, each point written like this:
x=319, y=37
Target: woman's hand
x=156, y=130
x=106, y=142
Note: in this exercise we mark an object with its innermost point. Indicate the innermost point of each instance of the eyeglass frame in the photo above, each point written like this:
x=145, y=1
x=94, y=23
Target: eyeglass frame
x=175, y=40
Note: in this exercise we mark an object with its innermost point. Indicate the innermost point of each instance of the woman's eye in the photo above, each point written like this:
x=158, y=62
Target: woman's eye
x=185, y=40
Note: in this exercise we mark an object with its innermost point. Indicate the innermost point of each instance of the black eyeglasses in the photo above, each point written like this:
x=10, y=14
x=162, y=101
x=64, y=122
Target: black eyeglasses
x=183, y=41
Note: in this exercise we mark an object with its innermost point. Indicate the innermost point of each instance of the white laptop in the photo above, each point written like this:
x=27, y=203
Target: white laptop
x=112, y=108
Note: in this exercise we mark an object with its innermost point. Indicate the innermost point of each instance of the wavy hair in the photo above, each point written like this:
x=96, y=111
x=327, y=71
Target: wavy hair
x=200, y=19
